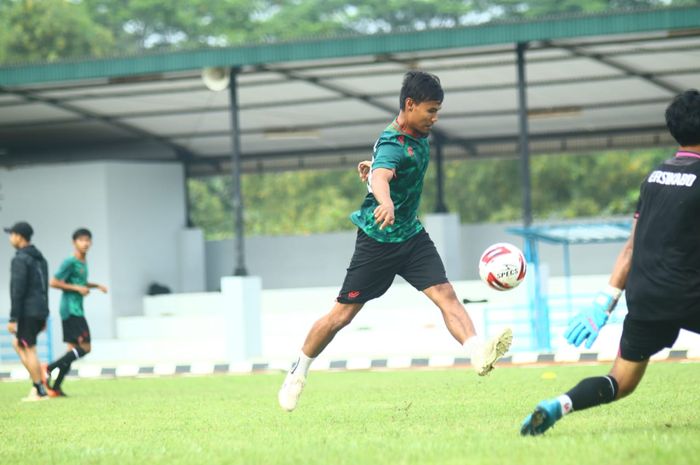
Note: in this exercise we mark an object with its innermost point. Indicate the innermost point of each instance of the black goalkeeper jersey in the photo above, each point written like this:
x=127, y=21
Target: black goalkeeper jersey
x=664, y=281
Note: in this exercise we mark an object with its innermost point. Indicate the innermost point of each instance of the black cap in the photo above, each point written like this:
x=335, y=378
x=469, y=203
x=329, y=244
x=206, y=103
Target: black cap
x=22, y=228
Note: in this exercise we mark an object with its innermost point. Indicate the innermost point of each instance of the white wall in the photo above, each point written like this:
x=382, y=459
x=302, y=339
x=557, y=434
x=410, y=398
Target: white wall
x=285, y=261
x=134, y=210
x=146, y=209
x=321, y=259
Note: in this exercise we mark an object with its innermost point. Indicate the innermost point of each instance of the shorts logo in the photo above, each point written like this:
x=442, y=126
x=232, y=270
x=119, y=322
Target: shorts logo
x=353, y=294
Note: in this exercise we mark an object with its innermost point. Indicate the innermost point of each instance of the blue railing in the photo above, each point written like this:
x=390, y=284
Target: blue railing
x=7, y=352
x=561, y=309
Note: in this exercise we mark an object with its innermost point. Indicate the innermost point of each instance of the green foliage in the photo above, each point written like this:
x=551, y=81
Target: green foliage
x=310, y=18
x=510, y=9
x=303, y=202
x=410, y=417
x=48, y=30
x=149, y=24
x=563, y=186
x=40, y=30
x=408, y=15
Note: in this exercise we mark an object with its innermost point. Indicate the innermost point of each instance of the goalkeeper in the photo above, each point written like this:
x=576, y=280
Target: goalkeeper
x=659, y=267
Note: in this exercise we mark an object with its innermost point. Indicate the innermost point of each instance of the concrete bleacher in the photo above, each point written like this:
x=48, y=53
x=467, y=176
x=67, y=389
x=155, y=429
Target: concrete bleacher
x=192, y=328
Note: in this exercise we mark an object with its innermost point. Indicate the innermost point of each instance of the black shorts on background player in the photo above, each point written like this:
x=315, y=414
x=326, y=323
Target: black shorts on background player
x=76, y=330
x=375, y=264
x=28, y=329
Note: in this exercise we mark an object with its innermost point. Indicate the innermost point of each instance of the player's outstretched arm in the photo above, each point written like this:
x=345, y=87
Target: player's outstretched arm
x=586, y=325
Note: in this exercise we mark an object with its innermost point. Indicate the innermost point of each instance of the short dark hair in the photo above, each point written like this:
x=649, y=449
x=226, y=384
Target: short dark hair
x=81, y=232
x=421, y=87
x=683, y=118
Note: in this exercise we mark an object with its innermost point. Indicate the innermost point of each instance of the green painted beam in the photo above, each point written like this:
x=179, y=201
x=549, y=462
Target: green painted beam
x=473, y=36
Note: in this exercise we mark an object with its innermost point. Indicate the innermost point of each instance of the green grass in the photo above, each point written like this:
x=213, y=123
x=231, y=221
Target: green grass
x=405, y=417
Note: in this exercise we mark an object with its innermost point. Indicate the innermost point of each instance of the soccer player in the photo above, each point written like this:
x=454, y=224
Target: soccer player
x=391, y=241
x=659, y=268
x=30, y=304
x=72, y=279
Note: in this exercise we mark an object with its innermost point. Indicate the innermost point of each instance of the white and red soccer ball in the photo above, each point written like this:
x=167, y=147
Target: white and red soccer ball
x=502, y=266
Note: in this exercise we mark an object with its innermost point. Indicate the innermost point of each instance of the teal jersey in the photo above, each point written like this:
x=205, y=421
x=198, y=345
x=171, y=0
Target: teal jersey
x=408, y=155
x=75, y=272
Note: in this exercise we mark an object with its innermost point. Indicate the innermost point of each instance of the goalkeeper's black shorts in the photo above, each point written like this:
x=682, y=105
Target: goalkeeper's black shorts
x=642, y=338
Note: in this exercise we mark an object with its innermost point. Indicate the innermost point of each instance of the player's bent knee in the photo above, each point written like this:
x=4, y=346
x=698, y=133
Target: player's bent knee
x=443, y=292
x=343, y=315
x=626, y=388
x=627, y=380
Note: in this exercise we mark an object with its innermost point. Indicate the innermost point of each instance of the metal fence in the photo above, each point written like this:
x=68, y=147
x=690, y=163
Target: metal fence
x=561, y=309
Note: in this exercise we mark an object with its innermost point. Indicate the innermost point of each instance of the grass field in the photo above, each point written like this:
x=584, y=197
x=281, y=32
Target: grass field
x=403, y=417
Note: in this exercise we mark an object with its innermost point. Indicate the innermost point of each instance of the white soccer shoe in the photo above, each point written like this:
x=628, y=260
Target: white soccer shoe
x=289, y=393
x=483, y=357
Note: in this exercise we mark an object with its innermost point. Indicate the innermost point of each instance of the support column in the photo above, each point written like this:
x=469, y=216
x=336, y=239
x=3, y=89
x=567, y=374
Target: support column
x=243, y=302
x=239, y=230
x=440, y=206
x=445, y=231
x=538, y=304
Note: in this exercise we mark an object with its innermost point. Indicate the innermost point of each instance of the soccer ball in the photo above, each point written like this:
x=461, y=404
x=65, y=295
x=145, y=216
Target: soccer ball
x=502, y=266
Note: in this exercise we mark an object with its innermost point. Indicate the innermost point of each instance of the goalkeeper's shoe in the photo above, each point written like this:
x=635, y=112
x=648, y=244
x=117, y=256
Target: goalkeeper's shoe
x=545, y=415
x=484, y=357
x=288, y=395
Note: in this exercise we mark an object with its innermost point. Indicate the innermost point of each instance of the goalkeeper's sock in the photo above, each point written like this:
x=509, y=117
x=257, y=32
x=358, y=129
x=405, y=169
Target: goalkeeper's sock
x=565, y=404
x=591, y=392
x=302, y=364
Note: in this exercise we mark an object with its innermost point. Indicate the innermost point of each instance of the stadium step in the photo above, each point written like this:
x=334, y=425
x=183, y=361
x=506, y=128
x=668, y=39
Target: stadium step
x=153, y=351
x=195, y=303
x=203, y=327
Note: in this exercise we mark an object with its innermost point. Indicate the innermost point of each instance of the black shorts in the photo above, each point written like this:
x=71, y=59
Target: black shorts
x=641, y=338
x=76, y=330
x=28, y=329
x=375, y=264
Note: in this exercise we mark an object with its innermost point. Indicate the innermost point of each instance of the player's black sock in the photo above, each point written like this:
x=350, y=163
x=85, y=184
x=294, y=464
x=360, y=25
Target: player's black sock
x=39, y=388
x=593, y=391
x=68, y=357
x=63, y=370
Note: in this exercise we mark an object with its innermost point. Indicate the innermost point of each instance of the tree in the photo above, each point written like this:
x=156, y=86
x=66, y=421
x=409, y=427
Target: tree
x=49, y=30
x=152, y=24
x=514, y=9
x=303, y=202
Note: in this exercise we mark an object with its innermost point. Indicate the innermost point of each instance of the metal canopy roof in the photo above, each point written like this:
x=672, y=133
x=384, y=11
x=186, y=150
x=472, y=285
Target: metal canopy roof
x=594, y=82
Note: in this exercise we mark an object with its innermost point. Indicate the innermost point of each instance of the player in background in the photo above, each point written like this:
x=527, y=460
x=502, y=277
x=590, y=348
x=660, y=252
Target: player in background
x=30, y=304
x=659, y=268
x=72, y=279
x=391, y=241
